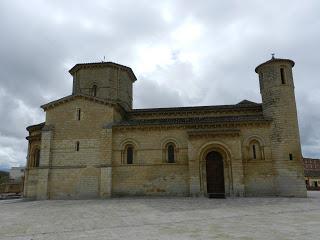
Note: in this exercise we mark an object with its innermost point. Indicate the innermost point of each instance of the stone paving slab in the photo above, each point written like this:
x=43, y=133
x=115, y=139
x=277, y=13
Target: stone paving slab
x=162, y=218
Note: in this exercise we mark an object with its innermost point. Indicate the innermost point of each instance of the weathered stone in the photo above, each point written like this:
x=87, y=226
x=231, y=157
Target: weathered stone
x=87, y=138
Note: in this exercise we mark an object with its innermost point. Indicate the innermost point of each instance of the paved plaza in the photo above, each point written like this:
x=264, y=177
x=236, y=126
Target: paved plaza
x=162, y=218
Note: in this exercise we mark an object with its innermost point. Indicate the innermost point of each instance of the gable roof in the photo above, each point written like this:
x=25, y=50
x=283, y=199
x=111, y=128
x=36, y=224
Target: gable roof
x=78, y=66
x=245, y=104
x=72, y=97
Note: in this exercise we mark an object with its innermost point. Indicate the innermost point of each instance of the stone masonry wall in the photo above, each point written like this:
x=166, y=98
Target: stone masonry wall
x=161, y=179
x=150, y=174
x=76, y=174
x=258, y=173
x=112, y=83
x=243, y=176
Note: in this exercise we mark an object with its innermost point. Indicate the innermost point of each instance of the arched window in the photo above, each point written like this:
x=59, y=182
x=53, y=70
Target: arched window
x=129, y=153
x=170, y=150
x=36, y=158
x=255, y=150
x=94, y=90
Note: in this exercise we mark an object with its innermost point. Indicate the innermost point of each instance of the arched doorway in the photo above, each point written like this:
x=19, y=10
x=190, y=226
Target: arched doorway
x=215, y=175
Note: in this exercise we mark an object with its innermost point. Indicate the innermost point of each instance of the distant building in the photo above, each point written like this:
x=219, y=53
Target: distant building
x=16, y=174
x=4, y=176
x=312, y=173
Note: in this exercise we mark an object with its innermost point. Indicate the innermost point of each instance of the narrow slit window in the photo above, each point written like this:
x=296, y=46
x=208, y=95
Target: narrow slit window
x=78, y=114
x=290, y=156
x=130, y=155
x=170, y=154
x=283, y=79
x=77, y=146
x=94, y=90
x=37, y=158
x=254, y=152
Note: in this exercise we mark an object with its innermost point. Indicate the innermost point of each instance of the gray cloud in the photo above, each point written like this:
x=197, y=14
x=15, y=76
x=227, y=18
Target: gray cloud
x=152, y=95
x=183, y=53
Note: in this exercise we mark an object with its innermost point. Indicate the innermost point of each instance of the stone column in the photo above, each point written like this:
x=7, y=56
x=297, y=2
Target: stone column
x=237, y=169
x=194, y=178
x=106, y=163
x=106, y=182
x=45, y=162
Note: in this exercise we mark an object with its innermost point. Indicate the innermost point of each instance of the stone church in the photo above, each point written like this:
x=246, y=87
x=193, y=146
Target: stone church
x=93, y=144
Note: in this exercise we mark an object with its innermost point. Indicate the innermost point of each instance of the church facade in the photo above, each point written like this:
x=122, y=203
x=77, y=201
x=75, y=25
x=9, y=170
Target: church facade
x=93, y=144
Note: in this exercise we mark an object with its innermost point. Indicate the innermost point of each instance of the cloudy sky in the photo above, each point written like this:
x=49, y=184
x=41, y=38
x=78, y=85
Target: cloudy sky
x=182, y=52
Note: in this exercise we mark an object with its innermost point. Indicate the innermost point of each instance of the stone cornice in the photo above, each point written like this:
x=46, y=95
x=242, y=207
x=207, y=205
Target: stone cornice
x=210, y=133
x=34, y=137
x=35, y=127
x=193, y=126
x=275, y=60
x=78, y=66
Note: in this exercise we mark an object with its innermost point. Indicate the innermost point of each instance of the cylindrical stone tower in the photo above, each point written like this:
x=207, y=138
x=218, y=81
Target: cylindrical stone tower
x=279, y=104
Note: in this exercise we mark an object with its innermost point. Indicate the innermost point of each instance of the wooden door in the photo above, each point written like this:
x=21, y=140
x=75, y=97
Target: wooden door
x=215, y=175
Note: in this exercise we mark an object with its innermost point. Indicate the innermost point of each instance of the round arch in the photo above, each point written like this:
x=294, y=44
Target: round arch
x=164, y=146
x=167, y=140
x=258, y=138
x=226, y=154
x=249, y=140
x=129, y=142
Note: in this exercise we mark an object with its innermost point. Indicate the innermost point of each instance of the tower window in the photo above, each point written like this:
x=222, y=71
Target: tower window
x=77, y=146
x=94, y=90
x=290, y=156
x=78, y=114
x=282, y=74
x=130, y=155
